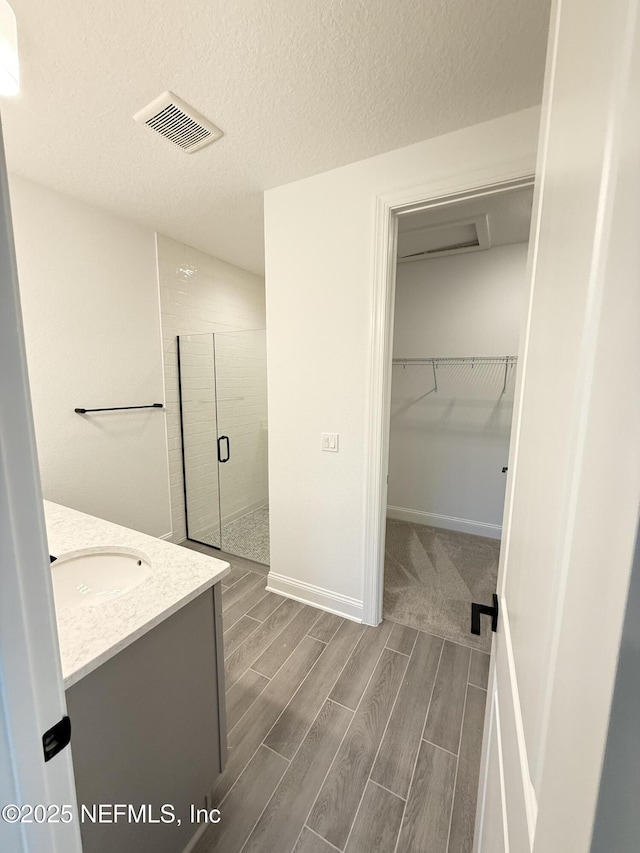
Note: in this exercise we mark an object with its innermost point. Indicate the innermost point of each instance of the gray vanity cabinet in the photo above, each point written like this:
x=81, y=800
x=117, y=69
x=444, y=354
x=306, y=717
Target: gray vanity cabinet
x=148, y=728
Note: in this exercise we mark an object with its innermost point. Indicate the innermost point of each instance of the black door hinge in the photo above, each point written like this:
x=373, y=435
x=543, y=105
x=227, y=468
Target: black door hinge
x=478, y=610
x=56, y=738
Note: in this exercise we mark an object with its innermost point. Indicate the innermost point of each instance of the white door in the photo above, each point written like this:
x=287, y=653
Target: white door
x=31, y=690
x=574, y=471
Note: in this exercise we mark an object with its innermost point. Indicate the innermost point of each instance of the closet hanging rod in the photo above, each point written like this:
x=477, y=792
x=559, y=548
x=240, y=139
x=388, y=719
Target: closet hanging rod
x=119, y=408
x=435, y=361
x=468, y=359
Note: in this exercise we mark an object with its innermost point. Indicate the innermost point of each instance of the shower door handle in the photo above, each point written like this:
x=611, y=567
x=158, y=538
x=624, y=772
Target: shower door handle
x=228, y=448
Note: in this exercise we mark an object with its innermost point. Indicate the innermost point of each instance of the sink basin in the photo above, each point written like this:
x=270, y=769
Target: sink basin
x=96, y=575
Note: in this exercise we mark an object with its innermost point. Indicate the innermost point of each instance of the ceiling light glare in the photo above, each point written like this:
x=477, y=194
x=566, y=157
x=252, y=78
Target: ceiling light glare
x=186, y=271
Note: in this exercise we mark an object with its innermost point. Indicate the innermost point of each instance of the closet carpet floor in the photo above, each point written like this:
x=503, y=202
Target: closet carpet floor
x=431, y=576
x=342, y=737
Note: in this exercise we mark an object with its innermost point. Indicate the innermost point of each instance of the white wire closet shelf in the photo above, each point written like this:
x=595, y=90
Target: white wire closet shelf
x=470, y=360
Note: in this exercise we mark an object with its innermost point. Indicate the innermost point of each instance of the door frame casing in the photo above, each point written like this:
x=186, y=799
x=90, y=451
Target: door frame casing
x=32, y=697
x=511, y=175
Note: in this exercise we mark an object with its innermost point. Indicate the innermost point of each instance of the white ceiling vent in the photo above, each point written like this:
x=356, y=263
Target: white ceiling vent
x=170, y=116
x=446, y=238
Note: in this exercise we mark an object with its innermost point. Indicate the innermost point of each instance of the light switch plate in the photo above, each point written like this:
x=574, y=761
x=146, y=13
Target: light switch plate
x=330, y=441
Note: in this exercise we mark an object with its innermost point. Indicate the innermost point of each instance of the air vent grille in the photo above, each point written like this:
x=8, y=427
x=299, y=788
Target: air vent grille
x=174, y=119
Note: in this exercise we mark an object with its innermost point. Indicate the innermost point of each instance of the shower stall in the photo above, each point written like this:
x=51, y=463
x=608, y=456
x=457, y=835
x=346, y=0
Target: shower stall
x=223, y=409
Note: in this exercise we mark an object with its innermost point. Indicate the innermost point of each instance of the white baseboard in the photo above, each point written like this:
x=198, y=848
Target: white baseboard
x=168, y=537
x=307, y=593
x=191, y=846
x=447, y=522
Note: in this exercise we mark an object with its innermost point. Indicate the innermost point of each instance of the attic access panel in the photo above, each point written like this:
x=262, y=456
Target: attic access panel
x=446, y=238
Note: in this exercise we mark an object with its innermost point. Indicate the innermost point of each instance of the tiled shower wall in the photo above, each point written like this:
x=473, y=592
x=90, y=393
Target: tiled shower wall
x=198, y=293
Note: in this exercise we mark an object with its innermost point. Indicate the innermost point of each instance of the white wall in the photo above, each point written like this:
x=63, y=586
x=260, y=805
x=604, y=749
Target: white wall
x=89, y=292
x=447, y=448
x=319, y=257
x=198, y=293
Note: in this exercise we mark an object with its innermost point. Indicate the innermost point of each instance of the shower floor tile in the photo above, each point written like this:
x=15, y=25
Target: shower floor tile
x=247, y=536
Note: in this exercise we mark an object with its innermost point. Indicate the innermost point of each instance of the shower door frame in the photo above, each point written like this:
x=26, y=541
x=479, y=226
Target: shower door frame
x=213, y=335
x=182, y=446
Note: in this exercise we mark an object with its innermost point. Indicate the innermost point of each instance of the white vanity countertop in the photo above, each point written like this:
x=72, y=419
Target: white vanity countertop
x=92, y=634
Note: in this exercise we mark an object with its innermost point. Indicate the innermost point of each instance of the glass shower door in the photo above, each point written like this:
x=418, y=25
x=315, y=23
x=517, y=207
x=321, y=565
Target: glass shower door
x=196, y=367
x=241, y=394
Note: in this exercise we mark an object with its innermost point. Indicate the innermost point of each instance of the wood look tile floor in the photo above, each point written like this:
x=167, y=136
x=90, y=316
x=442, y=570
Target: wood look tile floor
x=342, y=736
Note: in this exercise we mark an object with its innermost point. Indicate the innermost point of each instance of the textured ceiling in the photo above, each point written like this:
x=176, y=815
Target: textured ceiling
x=508, y=213
x=297, y=86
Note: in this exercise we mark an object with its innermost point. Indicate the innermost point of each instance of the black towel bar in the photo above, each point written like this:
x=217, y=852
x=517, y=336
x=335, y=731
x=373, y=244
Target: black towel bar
x=119, y=408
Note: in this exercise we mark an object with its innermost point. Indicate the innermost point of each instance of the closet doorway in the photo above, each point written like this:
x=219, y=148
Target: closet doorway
x=460, y=301
x=223, y=410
